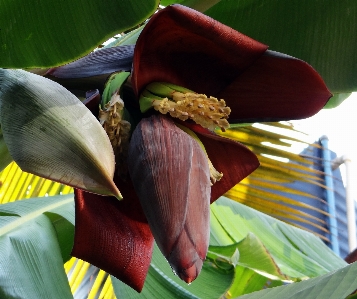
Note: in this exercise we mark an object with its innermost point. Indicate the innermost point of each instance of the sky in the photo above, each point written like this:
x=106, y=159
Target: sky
x=340, y=126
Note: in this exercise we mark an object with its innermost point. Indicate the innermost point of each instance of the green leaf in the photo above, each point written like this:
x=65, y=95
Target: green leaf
x=336, y=100
x=112, y=86
x=129, y=38
x=334, y=285
x=249, y=253
x=162, y=283
x=50, y=133
x=323, y=33
x=169, y=2
x=31, y=262
x=247, y=281
x=264, y=248
x=199, y=5
x=297, y=253
x=64, y=230
x=49, y=33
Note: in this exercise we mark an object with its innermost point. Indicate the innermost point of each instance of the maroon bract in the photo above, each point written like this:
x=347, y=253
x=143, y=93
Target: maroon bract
x=114, y=235
x=171, y=176
x=184, y=47
x=231, y=158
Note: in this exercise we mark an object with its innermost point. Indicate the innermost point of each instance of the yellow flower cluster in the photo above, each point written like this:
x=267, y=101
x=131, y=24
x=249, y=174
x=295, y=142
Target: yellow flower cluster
x=118, y=130
x=207, y=112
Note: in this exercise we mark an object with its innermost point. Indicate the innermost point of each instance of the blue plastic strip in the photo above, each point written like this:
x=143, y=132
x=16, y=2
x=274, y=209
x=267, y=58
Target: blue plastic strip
x=330, y=195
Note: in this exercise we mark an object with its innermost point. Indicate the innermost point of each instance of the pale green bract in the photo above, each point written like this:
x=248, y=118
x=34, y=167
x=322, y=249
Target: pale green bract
x=50, y=133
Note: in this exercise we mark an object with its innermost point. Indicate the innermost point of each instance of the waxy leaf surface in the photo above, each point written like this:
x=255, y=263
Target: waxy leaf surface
x=31, y=246
x=49, y=33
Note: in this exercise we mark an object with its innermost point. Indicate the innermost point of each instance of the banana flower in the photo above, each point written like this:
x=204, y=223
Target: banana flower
x=176, y=164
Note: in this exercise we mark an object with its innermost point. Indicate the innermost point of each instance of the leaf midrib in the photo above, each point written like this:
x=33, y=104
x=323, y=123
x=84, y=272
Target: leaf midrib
x=23, y=219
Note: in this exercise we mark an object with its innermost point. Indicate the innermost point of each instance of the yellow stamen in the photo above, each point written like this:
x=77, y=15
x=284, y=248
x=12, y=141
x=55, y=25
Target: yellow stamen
x=118, y=130
x=215, y=175
x=207, y=112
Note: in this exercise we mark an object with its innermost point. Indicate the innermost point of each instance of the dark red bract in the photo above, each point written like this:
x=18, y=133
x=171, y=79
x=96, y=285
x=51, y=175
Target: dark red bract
x=114, y=235
x=171, y=176
x=184, y=47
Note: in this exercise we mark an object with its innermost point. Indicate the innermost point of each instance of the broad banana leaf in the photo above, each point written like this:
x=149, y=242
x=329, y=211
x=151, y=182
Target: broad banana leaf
x=336, y=284
x=31, y=256
x=268, y=252
x=47, y=33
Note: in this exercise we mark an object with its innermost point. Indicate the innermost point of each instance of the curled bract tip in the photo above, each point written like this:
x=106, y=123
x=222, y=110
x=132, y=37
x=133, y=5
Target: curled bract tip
x=190, y=274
